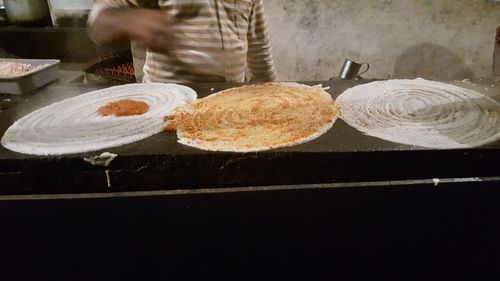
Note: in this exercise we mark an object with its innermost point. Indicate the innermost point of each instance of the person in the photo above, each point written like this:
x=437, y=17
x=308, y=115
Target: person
x=190, y=40
x=496, y=55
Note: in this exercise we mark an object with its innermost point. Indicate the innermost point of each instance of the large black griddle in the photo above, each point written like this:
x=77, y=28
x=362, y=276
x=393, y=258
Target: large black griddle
x=344, y=206
x=342, y=155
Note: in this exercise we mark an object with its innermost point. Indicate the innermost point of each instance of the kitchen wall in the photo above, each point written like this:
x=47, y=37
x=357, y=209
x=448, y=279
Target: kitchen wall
x=436, y=39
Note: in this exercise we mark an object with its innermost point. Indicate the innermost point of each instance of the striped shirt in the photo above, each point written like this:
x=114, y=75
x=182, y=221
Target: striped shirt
x=219, y=40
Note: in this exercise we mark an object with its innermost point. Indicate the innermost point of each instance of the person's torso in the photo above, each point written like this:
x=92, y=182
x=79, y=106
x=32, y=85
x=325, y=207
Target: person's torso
x=212, y=42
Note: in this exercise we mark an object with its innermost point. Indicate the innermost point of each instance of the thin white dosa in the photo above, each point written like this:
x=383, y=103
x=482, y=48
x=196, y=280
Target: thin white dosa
x=74, y=126
x=422, y=113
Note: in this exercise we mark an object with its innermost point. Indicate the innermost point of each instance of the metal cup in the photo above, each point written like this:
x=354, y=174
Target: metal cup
x=351, y=70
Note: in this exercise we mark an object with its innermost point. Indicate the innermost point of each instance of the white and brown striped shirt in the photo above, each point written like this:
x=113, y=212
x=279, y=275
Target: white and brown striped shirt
x=235, y=28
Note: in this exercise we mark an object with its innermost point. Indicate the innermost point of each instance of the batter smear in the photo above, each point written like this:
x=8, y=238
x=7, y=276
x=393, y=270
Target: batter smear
x=124, y=107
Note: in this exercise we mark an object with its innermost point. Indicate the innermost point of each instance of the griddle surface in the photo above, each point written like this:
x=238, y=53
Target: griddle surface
x=341, y=155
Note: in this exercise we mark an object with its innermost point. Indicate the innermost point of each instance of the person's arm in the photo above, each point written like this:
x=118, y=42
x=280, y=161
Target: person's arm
x=496, y=55
x=115, y=20
x=259, y=58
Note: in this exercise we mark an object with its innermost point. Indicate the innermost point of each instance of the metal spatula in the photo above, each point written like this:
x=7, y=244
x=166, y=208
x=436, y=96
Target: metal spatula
x=218, y=63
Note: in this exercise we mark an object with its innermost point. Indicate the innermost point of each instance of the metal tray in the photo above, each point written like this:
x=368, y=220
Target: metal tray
x=23, y=84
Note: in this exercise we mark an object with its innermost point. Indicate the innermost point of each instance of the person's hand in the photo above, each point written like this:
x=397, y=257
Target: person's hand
x=151, y=28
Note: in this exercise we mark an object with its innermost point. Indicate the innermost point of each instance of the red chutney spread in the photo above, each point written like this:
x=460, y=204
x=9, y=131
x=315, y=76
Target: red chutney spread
x=123, y=108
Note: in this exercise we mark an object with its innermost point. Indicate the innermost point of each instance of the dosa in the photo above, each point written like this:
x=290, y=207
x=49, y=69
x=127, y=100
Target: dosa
x=75, y=126
x=254, y=118
x=422, y=113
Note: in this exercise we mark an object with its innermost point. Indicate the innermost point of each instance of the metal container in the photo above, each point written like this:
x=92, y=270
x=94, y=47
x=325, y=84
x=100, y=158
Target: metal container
x=27, y=11
x=3, y=14
x=30, y=81
x=351, y=70
x=70, y=13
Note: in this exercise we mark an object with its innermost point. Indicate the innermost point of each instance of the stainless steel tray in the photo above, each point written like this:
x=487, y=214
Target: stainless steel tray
x=26, y=83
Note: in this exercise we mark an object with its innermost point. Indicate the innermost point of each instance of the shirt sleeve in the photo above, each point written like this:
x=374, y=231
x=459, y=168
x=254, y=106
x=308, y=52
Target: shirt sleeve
x=100, y=5
x=259, y=57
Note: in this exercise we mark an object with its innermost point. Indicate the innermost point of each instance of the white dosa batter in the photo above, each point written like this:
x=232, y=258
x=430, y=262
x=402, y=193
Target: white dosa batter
x=423, y=113
x=74, y=126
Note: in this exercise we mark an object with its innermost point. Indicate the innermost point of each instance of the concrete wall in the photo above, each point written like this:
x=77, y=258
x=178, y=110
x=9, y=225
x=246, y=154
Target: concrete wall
x=436, y=39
